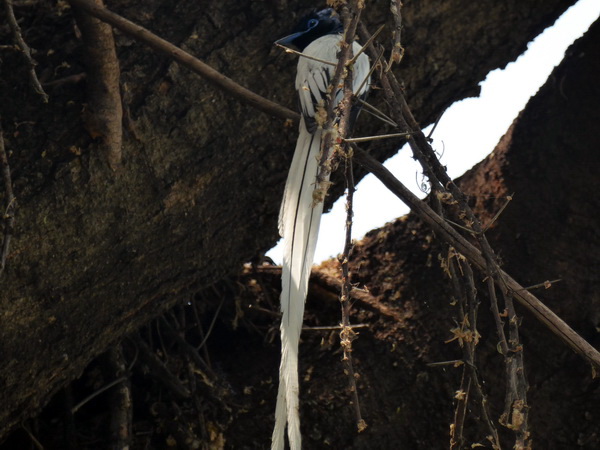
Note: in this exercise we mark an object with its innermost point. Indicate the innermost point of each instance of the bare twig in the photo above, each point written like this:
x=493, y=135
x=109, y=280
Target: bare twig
x=302, y=55
x=377, y=113
x=351, y=17
x=397, y=49
x=16, y=30
x=500, y=211
x=104, y=118
x=334, y=328
x=96, y=393
x=460, y=411
x=502, y=344
x=212, y=324
x=546, y=284
x=9, y=199
x=221, y=81
x=347, y=335
x=378, y=137
x=366, y=44
x=367, y=77
x=194, y=305
x=34, y=440
x=121, y=403
x=340, y=74
x=453, y=362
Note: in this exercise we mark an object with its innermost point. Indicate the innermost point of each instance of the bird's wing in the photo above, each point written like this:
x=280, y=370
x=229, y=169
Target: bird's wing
x=299, y=222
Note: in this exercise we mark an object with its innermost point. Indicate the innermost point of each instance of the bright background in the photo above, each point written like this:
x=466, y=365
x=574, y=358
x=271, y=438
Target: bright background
x=468, y=131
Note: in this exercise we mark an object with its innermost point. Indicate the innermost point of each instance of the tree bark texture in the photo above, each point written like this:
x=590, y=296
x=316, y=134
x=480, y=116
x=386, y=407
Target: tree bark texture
x=97, y=252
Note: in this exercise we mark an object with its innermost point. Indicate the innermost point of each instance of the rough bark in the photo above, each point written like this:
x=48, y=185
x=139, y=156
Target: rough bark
x=95, y=254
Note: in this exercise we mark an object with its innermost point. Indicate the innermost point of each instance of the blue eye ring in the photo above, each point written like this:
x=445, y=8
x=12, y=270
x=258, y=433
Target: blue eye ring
x=312, y=23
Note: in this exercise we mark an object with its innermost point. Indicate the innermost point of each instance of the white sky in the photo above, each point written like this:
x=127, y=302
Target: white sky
x=468, y=131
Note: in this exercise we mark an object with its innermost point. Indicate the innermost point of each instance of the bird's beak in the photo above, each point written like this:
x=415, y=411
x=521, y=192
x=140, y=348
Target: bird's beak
x=287, y=41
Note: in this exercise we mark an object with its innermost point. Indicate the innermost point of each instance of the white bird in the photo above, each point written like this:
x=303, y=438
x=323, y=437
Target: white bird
x=318, y=37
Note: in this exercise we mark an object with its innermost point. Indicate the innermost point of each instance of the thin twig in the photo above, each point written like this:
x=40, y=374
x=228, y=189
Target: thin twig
x=458, y=225
x=454, y=362
x=9, y=200
x=34, y=440
x=328, y=149
x=121, y=408
x=364, y=47
x=378, y=137
x=347, y=335
x=500, y=211
x=460, y=411
x=334, y=328
x=546, y=284
x=368, y=75
x=221, y=81
x=194, y=305
x=377, y=112
x=397, y=50
x=435, y=124
x=303, y=55
x=96, y=394
x=16, y=30
x=212, y=324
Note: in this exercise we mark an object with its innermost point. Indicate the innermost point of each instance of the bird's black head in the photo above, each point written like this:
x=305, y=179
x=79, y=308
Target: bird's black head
x=313, y=26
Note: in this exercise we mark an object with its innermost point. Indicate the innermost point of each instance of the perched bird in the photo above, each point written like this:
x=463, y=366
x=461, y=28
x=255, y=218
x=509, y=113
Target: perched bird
x=318, y=36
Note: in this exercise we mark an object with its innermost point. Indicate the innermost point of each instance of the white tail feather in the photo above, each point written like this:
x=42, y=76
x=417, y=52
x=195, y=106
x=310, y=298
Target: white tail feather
x=299, y=226
x=299, y=221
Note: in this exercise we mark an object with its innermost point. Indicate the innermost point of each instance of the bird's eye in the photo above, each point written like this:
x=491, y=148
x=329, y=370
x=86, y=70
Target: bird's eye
x=312, y=23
